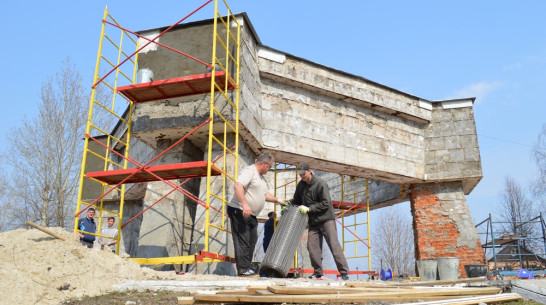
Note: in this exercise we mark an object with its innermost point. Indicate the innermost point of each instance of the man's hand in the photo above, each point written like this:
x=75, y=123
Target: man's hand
x=303, y=209
x=283, y=202
x=246, y=210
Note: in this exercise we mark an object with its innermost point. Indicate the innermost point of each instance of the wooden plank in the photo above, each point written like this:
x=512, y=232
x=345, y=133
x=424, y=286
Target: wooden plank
x=331, y=290
x=32, y=224
x=253, y=289
x=397, y=292
x=235, y=291
x=186, y=300
x=307, y=299
x=425, y=283
x=504, y=297
x=340, y=298
x=443, y=282
x=264, y=292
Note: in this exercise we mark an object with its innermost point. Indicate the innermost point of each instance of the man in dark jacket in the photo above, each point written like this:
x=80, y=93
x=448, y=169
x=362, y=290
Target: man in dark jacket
x=87, y=225
x=269, y=228
x=313, y=198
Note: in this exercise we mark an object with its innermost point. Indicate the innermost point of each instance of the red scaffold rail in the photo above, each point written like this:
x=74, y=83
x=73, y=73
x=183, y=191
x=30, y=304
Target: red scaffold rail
x=173, y=87
x=170, y=192
x=165, y=171
x=149, y=42
x=143, y=168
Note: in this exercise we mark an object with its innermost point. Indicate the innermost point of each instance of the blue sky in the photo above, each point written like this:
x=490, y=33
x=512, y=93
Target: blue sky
x=492, y=50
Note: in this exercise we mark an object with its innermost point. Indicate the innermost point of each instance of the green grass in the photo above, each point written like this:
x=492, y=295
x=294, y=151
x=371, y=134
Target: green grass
x=170, y=298
x=121, y=297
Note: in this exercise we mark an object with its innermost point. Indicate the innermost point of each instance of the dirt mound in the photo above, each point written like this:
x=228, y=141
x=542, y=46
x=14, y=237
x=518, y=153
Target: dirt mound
x=36, y=268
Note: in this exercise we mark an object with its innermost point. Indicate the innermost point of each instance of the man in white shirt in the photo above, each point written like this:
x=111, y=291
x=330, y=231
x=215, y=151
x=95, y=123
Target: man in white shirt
x=109, y=231
x=251, y=193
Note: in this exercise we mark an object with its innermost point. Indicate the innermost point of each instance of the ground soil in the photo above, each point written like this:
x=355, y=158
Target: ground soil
x=36, y=268
x=170, y=298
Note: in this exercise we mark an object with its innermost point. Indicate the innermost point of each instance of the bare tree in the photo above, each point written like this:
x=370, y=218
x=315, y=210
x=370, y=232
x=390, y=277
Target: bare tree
x=45, y=152
x=5, y=203
x=393, y=241
x=516, y=210
x=539, y=155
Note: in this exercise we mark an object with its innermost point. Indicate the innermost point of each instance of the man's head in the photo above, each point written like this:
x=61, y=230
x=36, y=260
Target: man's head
x=264, y=162
x=111, y=221
x=305, y=172
x=90, y=213
x=271, y=215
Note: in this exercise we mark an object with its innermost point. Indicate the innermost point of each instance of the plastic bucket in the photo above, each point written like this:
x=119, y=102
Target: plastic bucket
x=475, y=270
x=427, y=269
x=448, y=268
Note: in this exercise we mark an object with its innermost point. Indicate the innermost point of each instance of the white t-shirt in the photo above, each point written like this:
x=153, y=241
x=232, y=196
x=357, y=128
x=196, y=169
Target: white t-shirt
x=110, y=232
x=255, y=189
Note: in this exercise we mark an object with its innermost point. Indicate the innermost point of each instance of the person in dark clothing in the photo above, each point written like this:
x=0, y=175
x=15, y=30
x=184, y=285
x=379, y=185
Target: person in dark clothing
x=269, y=227
x=313, y=198
x=87, y=225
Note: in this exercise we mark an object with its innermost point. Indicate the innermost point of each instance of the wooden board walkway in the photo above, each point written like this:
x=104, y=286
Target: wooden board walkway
x=357, y=292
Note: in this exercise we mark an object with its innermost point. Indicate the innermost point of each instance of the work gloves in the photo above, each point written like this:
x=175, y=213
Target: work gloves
x=285, y=206
x=303, y=209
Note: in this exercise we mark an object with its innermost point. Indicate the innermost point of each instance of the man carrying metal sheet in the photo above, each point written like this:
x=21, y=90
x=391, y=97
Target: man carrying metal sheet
x=313, y=198
x=251, y=192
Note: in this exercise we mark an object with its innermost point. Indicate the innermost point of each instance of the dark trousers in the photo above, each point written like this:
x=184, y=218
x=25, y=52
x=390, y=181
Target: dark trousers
x=317, y=234
x=245, y=234
x=88, y=244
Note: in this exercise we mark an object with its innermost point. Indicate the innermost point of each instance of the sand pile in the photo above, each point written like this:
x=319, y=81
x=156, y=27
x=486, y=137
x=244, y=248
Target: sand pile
x=36, y=268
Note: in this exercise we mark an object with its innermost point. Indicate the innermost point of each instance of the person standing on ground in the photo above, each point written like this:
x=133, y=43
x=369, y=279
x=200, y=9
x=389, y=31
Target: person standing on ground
x=313, y=198
x=269, y=227
x=109, y=231
x=251, y=193
x=87, y=224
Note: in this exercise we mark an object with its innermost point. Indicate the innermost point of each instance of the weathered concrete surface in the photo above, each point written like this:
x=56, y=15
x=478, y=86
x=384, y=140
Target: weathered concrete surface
x=193, y=283
x=531, y=289
x=166, y=228
x=302, y=111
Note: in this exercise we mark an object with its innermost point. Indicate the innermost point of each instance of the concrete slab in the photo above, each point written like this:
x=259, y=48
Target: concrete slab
x=531, y=289
x=191, y=283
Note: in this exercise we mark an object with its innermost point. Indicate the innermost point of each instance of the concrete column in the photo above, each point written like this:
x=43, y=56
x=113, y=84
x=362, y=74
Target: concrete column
x=166, y=228
x=219, y=241
x=442, y=224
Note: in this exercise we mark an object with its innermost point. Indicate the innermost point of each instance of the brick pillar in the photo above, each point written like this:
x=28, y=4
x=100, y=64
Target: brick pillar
x=442, y=224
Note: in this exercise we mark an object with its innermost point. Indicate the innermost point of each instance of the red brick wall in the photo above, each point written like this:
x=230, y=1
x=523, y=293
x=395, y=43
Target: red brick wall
x=435, y=228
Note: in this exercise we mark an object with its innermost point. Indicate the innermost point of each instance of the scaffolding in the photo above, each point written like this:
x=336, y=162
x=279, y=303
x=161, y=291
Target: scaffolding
x=112, y=167
x=352, y=204
x=514, y=251
x=356, y=232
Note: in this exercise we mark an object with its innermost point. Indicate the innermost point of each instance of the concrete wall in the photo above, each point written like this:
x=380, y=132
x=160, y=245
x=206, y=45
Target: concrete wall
x=347, y=124
x=300, y=111
x=452, y=151
x=167, y=227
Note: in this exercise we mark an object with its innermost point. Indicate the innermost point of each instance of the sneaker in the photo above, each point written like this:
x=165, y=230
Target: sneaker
x=250, y=273
x=317, y=277
x=344, y=277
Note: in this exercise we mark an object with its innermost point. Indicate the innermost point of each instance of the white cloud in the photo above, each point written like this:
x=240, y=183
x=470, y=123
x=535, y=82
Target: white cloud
x=512, y=67
x=479, y=90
